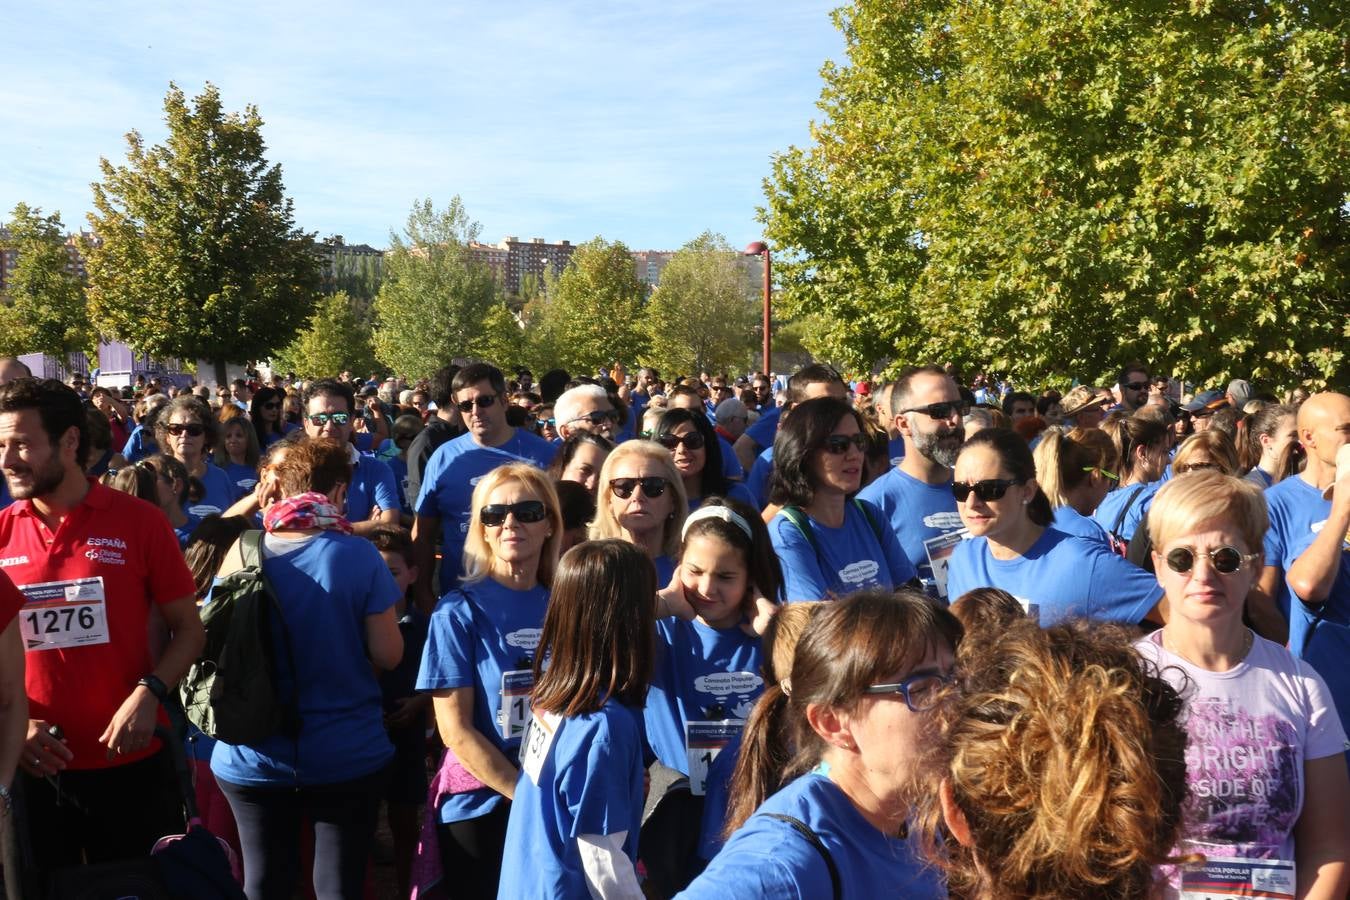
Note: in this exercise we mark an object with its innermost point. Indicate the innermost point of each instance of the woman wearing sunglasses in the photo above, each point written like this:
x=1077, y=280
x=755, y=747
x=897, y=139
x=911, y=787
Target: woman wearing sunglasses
x=1013, y=545
x=829, y=542
x=642, y=501
x=1266, y=758
x=478, y=664
x=265, y=412
x=186, y=430
x=693, y=443
x=835, y=756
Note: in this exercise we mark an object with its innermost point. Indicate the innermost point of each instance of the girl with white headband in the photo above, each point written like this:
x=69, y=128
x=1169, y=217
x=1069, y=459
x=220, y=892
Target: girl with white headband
x=706, y=679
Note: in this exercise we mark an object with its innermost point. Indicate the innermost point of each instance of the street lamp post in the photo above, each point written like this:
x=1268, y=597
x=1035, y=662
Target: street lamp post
x=759, y=248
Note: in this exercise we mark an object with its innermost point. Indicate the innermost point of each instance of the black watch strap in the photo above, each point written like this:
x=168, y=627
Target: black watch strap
x=156, y=687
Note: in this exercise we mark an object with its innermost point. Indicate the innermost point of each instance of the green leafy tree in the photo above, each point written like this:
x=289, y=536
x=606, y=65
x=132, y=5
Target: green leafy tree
x=43, y=308
x=336, y=339
x=1055, y=188
x=591, y=314
x=704, y=314
x=434, y=294
x=500, y=339
x=197, y=255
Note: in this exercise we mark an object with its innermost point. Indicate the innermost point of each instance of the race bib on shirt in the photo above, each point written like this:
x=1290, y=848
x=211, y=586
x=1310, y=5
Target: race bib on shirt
x=703, y=742
x=1220, y=878
x=514, y=713
x=538, y=740
x=60, y=615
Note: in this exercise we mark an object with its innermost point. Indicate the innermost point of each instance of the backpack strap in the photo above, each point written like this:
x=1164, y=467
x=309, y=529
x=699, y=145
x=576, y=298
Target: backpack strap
x=1125, y=508
x=250, y=549
x=867, y=514
x=814, y=840
x=795, y=515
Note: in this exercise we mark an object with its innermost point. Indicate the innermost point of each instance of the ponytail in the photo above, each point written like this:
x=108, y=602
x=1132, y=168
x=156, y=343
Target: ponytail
x=765, y=754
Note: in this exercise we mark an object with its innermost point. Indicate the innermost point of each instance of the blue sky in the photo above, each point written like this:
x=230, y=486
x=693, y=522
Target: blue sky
x=642, y=122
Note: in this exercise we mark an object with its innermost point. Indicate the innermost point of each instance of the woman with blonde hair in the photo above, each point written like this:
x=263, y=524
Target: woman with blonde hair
x=641, y=500
x=1266, y=757
x=478, y=665
x=1076, y=470
x=1064, y=773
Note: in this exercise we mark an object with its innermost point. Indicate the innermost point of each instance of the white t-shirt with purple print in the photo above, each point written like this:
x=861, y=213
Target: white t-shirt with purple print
x=1251, y=730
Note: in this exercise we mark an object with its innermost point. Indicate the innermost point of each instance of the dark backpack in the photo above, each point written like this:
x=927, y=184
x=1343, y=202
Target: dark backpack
x=231, y=692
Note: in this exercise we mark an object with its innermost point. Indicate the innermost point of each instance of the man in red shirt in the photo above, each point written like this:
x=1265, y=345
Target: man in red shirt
x=91, y=563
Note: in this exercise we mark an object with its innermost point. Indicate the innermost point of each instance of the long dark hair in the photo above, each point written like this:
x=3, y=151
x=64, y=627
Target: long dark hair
x=711, y=480
x=1015, y=457
x=802, y=431
x=264, y=396
x=599, y=632
x=761, y=563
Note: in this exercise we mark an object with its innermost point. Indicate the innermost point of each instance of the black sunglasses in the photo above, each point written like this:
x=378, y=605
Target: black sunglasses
x=653, y=486
x=318, y=420
x=1225, y=560
x=839, y=443
x=526, y=511
x=544, y=423
x=987, y=490
x=483, y=401
x=1135, y=385
x=598, y=417
x=944, y=410
x=180, y=428
x=692, y=441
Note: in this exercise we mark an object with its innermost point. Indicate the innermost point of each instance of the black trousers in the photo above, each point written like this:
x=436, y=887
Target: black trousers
x=269, y=820
x=471, y=854
x=102, y=815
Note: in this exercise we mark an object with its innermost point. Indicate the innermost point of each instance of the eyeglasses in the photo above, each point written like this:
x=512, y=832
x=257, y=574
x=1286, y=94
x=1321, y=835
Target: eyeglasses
x=1111, y=476
x=653, y=486
x=482, y=401
x=598, y=417
x=1135, y=386
x=1194, y=467
x=944, y=410
x=546, y=423
x=527, y=511
x=318, y=420
x=839, y=443
x=177, y=429
x=921, y=691
x=692, y=441
x=1226, y=560
x=987, y=490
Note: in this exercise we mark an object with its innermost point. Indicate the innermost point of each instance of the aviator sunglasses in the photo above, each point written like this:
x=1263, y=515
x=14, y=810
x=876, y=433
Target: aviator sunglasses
x=987, y=490
x=527, y=511
x=653, y=486
x=1226, y=560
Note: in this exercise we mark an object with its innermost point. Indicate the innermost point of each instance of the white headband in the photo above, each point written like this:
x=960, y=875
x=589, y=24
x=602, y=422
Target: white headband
x=725, y=513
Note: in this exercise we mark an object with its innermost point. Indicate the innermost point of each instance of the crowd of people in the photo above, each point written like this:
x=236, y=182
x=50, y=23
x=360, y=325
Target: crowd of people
x=613, y=636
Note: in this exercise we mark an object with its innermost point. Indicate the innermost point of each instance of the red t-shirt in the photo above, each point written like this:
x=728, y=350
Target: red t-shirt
x=88, y=590
x=10, y=600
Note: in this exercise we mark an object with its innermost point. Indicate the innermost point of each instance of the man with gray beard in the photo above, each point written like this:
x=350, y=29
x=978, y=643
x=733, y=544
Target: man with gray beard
x=917, y=495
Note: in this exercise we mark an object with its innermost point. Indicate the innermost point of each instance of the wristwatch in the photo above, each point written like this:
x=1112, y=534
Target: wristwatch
x=156, y=687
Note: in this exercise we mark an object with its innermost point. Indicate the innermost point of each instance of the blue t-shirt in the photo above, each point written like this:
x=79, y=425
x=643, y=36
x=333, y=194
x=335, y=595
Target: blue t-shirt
x=220, y=493
x=327, y=588
x=701, y=674
x=732, y=470
x=858, y=554
x=665, y=570
x=1296, y=511
x=478, y=632
x=244, y=478
x=1137, y=496
x=399, y=466
x=139, y=445
x=579, y=775
x=1260, y=477
x=896, y=450
x=1060, y=577
x=1071, y=521
x=448, y=482
x=400, y=682
x=925, y=519
x=373, y=485
x=768, y=858
x=735, y=491
x=1320, y=633
x=763, y=429
x=185, y=530
x=757, y=482
x=5, y=498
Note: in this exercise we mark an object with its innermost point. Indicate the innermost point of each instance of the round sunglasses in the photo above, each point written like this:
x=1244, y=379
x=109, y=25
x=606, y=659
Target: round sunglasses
x=527, y=511
x=1226, y=560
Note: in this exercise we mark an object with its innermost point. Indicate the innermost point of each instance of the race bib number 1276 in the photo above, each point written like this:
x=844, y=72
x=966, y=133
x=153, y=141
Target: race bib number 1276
x=63, y=614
